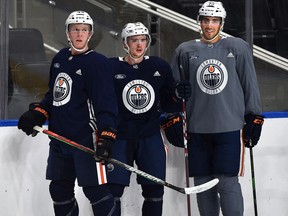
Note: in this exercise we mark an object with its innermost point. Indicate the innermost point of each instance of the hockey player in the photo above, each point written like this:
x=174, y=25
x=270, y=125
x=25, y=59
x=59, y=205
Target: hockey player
x=80, y=91
x=145, y=86
x=225, y=96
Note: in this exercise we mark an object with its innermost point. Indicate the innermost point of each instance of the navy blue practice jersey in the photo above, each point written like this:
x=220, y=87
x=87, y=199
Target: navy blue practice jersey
x=81, y=94
x=144, y=90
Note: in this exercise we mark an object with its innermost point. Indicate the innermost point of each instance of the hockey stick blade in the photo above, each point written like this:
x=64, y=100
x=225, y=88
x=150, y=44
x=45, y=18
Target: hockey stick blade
x=189, y=190
x=201, y=188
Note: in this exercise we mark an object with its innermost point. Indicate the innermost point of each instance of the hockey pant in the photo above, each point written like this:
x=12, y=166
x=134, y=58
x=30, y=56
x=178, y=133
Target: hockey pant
x=152, y=194
x=65, y=204
x=226, y=194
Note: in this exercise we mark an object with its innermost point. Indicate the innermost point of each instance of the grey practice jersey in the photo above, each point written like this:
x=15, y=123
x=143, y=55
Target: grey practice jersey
x=224, y=84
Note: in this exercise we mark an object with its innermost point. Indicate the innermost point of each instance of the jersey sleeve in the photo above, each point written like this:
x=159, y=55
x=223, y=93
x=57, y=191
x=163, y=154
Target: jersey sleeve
x=180, y=62
x=248, y=79
x=102, y=91
x=174, y=64
x=168, y=99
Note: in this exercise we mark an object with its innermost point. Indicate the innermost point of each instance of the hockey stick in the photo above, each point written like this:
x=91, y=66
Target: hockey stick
x=190, y=190
x=253, y=181
x=184, y=119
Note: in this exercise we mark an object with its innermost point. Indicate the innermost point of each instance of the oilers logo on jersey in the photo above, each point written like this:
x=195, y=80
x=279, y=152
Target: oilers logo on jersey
x=138, y=96
x=62, y=89
x=212, y=76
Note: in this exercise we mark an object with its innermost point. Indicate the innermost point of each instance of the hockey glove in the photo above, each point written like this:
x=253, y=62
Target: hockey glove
x=252, y=129
x=36, y=115
x=183, y=89
x=173, y=128
x=106, y=139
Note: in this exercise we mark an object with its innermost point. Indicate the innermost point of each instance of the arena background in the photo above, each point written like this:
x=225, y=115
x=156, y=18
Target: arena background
x=32, y=31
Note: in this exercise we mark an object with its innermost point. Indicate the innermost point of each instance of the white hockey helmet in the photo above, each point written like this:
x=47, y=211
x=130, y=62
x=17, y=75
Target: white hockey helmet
x=132, y=29
x=212, y=9
x=79, y=17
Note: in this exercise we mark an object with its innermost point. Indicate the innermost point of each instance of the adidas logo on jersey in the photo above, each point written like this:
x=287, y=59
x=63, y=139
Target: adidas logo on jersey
x=230, y=55
x=79, y=72
x=156, y=73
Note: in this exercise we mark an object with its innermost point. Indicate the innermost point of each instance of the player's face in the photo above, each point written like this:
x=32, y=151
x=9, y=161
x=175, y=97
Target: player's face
x=137, y=45
x=210, y=27
x=79, y=35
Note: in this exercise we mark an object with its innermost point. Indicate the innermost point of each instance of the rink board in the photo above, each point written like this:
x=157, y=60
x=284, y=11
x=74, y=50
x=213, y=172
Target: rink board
x=24, y=190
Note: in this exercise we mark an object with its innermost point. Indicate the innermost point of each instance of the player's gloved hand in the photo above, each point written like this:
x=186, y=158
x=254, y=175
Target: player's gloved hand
x=36, y=115
x=173, y=128
x=252, y=129
x=183, y=89
x=106, y=139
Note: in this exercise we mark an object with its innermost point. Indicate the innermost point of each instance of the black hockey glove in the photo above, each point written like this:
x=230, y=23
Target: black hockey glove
x=252, y=129
x=173, y=128
x=36, y=115
x=183, y=89
x=106, y=139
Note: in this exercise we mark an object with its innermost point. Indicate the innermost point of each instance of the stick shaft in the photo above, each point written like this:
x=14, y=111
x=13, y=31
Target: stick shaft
x=184, y=116
x=189, y=190
x=186, y=153
x=253, y=182
x=114, y=161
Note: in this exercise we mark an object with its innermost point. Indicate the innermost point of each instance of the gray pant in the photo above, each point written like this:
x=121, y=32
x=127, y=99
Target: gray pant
x=226, y=194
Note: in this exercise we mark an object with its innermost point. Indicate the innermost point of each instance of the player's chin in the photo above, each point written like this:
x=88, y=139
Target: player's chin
x=140, y=53
x=80, y=46
x=137, y=55
x=209, y=36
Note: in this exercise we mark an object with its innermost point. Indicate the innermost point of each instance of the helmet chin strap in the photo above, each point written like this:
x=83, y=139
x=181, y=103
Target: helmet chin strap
x=212, y=39
x=136, y=59
x=78, y=50
x=127, y=49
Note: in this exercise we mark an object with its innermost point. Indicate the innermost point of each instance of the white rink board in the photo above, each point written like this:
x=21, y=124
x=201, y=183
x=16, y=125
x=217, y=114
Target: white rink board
x=24, y=190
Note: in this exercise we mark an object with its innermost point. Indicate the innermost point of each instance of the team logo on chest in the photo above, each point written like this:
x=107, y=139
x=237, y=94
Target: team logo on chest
x=62, y=89
x=138, y=96
x=212, y=76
